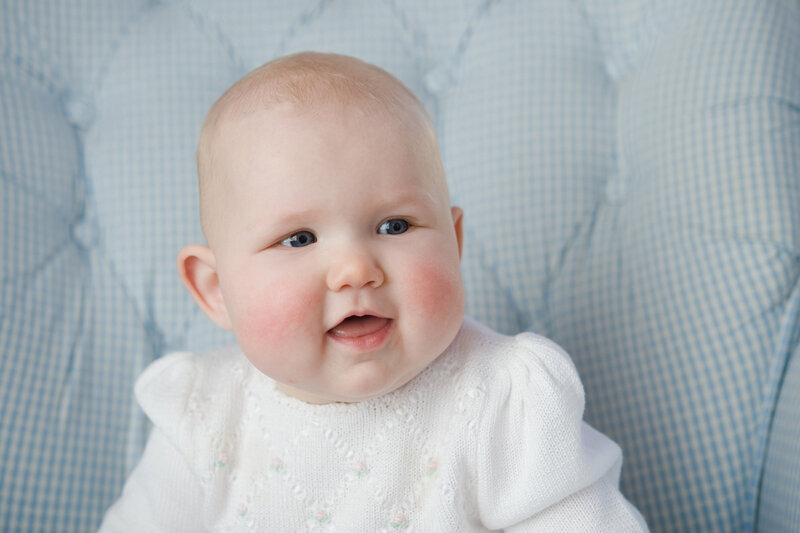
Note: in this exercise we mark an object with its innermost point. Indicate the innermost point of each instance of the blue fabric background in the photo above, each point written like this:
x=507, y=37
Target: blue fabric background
x=630, y=173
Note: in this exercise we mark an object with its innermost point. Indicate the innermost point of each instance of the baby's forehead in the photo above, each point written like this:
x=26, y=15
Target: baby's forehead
x=289, y=150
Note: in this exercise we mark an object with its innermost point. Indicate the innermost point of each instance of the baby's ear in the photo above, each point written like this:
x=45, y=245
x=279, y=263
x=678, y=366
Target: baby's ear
x=197, y=268
x=458, y=217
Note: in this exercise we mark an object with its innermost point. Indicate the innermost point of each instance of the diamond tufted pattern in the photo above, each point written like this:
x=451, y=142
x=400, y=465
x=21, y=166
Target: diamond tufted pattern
x=630, y=173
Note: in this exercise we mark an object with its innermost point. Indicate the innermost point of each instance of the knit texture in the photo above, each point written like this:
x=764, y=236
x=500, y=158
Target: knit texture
x=487, y=437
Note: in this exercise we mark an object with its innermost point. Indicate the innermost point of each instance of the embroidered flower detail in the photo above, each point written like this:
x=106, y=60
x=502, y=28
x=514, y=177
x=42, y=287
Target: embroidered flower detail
x=360, y=468
x=242, y=510
x=432, y=467
x=398, y=520
x=321, y=516
x=222, y=460
x=277, y=465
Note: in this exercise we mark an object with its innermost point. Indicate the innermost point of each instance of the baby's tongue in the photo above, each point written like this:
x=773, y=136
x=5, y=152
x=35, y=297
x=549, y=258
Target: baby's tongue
x=358, y=326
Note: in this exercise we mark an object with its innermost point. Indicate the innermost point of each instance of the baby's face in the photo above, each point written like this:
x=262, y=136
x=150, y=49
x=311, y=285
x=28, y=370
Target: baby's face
x=338, y=256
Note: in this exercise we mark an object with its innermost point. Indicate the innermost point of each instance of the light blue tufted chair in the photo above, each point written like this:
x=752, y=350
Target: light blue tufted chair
x=630, y=172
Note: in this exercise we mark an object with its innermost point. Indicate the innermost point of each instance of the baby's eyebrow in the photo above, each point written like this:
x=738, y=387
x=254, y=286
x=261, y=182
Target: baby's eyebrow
x=410, y=199
x=288, y=219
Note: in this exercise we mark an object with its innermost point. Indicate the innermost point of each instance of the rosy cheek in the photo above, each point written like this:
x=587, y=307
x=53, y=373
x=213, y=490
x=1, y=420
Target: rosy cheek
x=273, y=317
x=437, y=290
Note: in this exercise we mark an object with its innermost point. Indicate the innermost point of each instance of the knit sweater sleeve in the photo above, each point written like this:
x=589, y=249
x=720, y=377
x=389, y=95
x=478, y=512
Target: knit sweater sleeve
x=539, y=467
x=162, y=494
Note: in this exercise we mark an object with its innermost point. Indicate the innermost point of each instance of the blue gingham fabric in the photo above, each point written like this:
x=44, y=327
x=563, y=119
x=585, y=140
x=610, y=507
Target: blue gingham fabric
x=630, y=173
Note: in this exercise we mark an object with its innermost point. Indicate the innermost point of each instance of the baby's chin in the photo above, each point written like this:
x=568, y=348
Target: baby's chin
x=314, y=398
x=356, y=391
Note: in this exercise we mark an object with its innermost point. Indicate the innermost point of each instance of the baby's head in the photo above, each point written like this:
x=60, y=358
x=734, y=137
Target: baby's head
x=314, y=85
x=333, y=251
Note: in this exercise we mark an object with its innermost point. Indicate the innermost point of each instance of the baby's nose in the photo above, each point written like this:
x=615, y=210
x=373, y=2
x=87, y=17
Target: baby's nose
x=354, y=269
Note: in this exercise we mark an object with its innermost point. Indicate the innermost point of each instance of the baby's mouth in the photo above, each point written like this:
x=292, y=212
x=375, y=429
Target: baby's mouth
x=358, y=326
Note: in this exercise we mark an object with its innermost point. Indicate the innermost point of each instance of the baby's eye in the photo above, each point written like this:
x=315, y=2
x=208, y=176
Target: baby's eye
x=299, y=239
x=394, y=226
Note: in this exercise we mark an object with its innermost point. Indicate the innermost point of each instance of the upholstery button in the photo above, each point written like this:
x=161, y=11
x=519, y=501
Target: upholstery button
x=618, y=181
x=80, y=110
x=615, y=189
x=439, y=78
x=85, y=233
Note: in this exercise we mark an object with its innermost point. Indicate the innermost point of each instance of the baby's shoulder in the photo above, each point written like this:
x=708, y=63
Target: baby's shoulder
x=183, y=392
x=528, y=362
x=179, y=375
x=529, y=446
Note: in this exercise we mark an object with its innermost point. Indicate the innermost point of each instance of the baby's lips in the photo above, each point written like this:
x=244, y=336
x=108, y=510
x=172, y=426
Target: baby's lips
x=358, y=326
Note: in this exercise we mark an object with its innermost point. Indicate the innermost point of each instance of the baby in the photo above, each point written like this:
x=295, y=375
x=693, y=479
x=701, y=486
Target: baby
x=358, y=398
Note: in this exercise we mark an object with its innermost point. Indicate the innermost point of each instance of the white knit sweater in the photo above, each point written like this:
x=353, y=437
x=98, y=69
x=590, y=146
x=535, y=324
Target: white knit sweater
x=490, y=436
